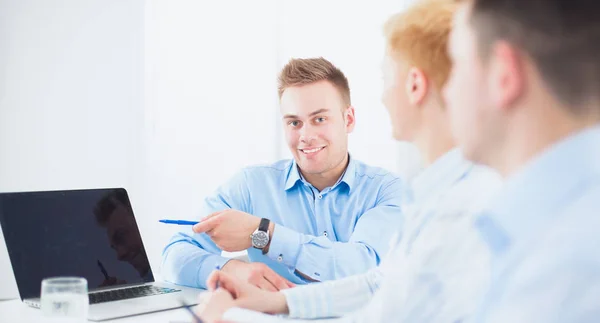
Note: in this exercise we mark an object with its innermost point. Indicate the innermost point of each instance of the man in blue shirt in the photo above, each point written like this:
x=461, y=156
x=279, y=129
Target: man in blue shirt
x=321, y=216
x=524, y=97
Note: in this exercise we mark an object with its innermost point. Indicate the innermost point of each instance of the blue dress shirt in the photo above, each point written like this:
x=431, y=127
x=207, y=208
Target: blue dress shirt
x=340, y=231
x=543, y=231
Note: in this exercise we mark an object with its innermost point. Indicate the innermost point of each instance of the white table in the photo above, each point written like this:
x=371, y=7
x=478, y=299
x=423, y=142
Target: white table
x=17, y=311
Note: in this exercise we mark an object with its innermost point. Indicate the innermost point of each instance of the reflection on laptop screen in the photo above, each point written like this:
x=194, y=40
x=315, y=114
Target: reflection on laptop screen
x=86, y=233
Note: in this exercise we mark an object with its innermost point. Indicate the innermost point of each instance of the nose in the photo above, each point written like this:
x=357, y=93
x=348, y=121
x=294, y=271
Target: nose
x=307, y=134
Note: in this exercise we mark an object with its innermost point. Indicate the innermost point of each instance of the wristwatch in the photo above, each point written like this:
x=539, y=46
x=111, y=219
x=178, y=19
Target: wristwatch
x=260, y=237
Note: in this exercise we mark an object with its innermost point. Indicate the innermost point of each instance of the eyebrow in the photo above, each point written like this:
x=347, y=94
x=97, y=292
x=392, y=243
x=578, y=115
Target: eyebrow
x=292, y=116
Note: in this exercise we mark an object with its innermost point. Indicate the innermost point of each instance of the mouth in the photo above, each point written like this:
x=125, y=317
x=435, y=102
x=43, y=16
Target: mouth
x=311, y=151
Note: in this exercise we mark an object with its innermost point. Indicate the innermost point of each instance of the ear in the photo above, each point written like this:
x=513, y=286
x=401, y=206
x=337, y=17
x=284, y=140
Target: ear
x=507, y=75
x=417, y=86
x=350, y=119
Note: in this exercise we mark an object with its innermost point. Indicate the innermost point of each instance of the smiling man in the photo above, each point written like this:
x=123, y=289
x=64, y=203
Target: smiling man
x=321, y=216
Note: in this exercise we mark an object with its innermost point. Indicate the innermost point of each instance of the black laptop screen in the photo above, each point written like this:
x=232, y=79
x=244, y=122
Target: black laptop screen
x=85, y=233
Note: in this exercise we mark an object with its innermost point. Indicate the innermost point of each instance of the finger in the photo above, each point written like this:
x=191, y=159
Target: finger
x=290, y=284
x=276, y=280
x=220, y=291
x=223, y=280
x=212, y=215
x=199, y=229
x=203, y=298
x=205, y=226
x=213, y=278
x=266, y=285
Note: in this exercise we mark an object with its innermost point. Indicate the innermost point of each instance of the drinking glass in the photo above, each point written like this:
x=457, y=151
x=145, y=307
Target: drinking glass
x=65, y=299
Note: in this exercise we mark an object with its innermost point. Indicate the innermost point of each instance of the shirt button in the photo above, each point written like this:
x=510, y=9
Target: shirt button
x=320, y=196
x=325, y=233
x=280, y=258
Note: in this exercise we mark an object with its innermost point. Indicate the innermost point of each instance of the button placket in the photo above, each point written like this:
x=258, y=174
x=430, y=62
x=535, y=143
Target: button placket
x=320, y=209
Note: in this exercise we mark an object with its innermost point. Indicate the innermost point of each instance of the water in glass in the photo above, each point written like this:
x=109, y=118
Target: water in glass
x=65, y=299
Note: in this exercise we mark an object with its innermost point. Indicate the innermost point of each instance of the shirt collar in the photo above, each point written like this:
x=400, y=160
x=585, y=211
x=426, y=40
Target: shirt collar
x=540, y=188
x=440, y=175
x=348, y=177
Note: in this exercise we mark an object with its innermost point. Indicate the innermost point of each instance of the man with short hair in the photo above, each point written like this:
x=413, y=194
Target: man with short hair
x=323, y=215
x=524, y=98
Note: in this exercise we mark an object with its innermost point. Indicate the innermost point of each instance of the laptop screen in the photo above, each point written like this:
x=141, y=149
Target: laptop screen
x=86, y=233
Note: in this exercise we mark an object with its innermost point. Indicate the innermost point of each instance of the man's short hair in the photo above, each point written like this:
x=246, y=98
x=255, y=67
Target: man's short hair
x=419, y=36
x=107, y=205
x=303, y=71
x=561, y=37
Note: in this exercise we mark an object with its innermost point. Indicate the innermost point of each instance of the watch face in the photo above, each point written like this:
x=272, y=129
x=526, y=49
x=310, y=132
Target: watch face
x=260, y=239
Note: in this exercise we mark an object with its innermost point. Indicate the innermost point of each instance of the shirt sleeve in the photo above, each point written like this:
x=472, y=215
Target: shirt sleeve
x=189, y=258
x=241, y=315
x=246, y=316
x=321, y=259
x=554, y=284
x=332, y=298
x=371, y=310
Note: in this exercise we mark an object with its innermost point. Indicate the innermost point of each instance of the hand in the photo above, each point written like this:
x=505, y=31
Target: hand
x=247, y=295
x=230, y=229
x=212, y=306
x=257, y=274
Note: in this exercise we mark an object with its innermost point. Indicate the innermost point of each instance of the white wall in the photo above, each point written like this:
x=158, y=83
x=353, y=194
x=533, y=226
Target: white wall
x=71, y=97
x=210, y=98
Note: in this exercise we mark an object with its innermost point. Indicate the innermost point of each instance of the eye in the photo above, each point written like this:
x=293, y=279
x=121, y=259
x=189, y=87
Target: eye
x=319, y=119
x=294, y=123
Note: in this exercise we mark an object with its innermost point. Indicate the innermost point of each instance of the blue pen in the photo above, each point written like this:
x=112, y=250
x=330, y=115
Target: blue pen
x=187, y=307
x=103, y=270
x=179, y=222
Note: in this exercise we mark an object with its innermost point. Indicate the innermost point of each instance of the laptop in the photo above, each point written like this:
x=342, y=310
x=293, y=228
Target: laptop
x=86, y=233
x=8, y=286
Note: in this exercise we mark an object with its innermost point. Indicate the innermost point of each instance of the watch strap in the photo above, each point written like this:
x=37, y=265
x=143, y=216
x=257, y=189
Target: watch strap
x=264, y=225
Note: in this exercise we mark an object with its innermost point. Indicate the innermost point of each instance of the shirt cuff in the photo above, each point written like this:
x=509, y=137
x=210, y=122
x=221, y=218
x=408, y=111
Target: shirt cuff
x=210, y=264
x=308, y=301
x=285, y=246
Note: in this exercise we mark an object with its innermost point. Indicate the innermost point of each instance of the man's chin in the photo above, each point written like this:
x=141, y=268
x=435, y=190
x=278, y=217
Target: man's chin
x=142, y=269
x=311, y=167
x=471, y=154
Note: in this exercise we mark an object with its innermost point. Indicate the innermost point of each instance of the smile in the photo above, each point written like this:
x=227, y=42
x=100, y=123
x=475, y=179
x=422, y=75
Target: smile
x=311, y=150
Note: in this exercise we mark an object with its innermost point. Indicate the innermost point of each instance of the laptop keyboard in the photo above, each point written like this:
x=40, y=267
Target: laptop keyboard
x=127, y=293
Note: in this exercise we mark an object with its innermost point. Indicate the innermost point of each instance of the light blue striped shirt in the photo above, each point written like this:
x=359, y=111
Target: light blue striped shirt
x=434, y=273
x=543, y=232
x=341, y=231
